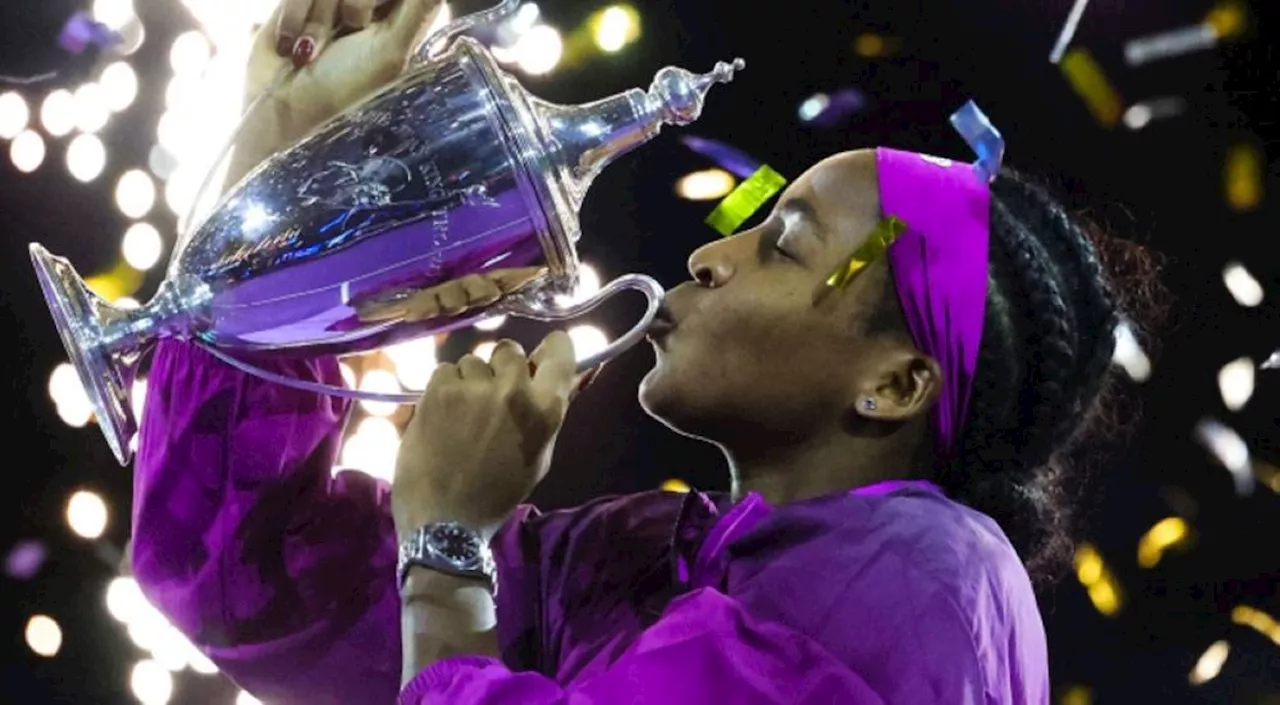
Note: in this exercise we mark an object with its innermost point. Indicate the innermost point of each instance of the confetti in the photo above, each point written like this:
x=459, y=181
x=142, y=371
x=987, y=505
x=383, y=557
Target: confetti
x=829, y=110
x=1168, y=533
x=732, y=159
x=1272, y=362
x=745, y=200
x=1210, y=663
x=1243, y=175
x=1085, y=76
x=1256, y=620
x=1102, y=587
x=871, y=45
x=1235, y=383
x=1170, y=44
x=982, y=137
x=1244, y=288
x=1129, y=355
x=1229, y=19
x=876, y=245
x=675, y=486
x=1139, y=115
x=1068, y=31
x=82, y=31
x=1229, y=449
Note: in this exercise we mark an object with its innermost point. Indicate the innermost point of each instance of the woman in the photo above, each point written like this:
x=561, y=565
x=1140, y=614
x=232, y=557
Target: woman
x=889, y=440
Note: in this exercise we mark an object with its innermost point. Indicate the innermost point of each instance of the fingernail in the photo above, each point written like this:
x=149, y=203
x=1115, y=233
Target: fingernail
x=302, y=51
x=284, y=46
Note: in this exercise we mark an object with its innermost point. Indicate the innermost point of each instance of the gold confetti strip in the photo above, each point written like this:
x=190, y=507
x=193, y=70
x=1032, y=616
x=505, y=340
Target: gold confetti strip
x=1168, y=533
x=877, y=244
x=1243, y=174
x=1098, y=581
x=871, y=46
x=1087, y=79
x=745, y=200
x=675, y=486
x=1228, y=19
x=121, y=281
x=1076, y=695
x=1258, y=621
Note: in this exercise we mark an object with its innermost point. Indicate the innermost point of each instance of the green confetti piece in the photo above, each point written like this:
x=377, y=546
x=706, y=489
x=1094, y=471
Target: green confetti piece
x=877, y=244
x=745, y=200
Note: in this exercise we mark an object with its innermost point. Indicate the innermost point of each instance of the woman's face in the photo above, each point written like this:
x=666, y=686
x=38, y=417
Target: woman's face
x=755, y=347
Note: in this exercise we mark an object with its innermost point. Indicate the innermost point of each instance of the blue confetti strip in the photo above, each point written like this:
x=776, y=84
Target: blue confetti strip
x=983, y=138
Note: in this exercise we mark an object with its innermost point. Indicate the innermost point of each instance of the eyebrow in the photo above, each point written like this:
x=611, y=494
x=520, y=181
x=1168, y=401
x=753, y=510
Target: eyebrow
x=804, y=209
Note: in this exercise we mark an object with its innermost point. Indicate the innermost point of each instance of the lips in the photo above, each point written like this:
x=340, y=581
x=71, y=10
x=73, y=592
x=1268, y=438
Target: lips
x=663, y=324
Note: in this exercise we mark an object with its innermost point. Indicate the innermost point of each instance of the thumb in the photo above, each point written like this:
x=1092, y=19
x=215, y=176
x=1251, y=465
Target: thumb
x=409, y=19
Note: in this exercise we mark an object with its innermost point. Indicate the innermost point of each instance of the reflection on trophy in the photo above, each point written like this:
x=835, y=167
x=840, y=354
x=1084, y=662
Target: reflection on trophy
x=451, y=179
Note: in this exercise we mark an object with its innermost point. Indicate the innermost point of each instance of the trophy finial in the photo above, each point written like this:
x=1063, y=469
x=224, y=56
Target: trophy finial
x=678, y=94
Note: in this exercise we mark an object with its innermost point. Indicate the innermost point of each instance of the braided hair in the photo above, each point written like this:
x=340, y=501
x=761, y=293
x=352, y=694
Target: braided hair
x=1043, y=366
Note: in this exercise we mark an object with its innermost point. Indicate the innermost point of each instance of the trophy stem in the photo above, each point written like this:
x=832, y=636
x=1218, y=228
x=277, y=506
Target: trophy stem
x=104, y=353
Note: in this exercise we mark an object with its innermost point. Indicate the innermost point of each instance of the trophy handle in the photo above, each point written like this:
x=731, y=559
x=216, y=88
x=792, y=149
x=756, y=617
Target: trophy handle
x=528, y=307
x=540, y=309
x=423, y=53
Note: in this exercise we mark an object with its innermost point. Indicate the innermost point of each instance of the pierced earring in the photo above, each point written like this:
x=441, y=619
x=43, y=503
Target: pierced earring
x=869, y=404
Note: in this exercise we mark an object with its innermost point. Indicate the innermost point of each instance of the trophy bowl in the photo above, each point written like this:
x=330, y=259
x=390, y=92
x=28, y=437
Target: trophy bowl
x=451, y=175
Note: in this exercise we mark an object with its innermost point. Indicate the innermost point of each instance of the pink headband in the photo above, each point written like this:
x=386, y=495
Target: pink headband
x=939, y=268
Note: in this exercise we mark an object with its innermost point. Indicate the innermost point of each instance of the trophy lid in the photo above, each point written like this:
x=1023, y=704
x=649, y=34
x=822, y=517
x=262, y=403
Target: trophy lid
x=562, y=148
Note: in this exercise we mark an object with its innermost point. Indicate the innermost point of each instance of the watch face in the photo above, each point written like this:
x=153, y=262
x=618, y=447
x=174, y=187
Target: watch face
x=455, y=544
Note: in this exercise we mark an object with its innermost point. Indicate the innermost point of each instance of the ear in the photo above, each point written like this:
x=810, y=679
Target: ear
x=900, y=383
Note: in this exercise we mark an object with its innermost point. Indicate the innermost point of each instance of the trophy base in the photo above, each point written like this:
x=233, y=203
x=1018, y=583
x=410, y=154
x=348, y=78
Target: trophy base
x=107, y=375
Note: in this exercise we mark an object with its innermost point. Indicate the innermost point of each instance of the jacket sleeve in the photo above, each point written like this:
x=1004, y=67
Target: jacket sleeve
x=279, y=571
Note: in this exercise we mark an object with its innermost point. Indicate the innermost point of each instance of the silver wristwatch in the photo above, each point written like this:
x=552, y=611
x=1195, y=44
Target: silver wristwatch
x=449, y=548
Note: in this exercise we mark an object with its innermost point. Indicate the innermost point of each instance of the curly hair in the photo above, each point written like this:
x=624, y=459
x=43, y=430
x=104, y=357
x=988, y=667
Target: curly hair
x=1044, y=367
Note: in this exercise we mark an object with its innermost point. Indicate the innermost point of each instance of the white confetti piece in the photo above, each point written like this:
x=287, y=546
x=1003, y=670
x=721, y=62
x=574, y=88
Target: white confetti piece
x=1129, y=356
x=1235, y=382
x=1230, y=450
x=1244, y=288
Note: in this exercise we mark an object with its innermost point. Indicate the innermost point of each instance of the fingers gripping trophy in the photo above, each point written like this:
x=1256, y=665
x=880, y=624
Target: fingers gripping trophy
x=448, y=196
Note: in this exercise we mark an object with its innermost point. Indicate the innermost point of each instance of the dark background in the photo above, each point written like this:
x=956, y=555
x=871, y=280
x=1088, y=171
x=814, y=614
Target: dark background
x=1162, y=186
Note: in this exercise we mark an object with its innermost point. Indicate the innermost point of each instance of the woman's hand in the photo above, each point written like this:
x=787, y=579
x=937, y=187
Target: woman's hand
x=452, y=297
x=482, y=435
x=342, y=50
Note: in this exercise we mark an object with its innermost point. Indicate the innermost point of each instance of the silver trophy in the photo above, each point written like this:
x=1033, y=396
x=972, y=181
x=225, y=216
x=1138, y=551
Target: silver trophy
x=453, y=170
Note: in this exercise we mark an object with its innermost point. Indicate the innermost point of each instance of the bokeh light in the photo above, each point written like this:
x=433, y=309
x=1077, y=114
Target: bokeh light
x=92, y=111
x=115, y=14
x=151, y=683
x=86, y=157
x=135, y=193
x=142, y=246
x=58, y=113
x=616, y=27
x=27, y=151
x=44, y=636
x=379, y=381
x=87, y=514
x=539, y=50
x=120, y=85
x=15, y=115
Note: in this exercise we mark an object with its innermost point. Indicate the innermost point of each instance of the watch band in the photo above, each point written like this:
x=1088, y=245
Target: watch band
x=449, y=548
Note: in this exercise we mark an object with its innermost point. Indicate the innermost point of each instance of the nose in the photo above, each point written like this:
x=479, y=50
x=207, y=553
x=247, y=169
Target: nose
x=710, y=265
